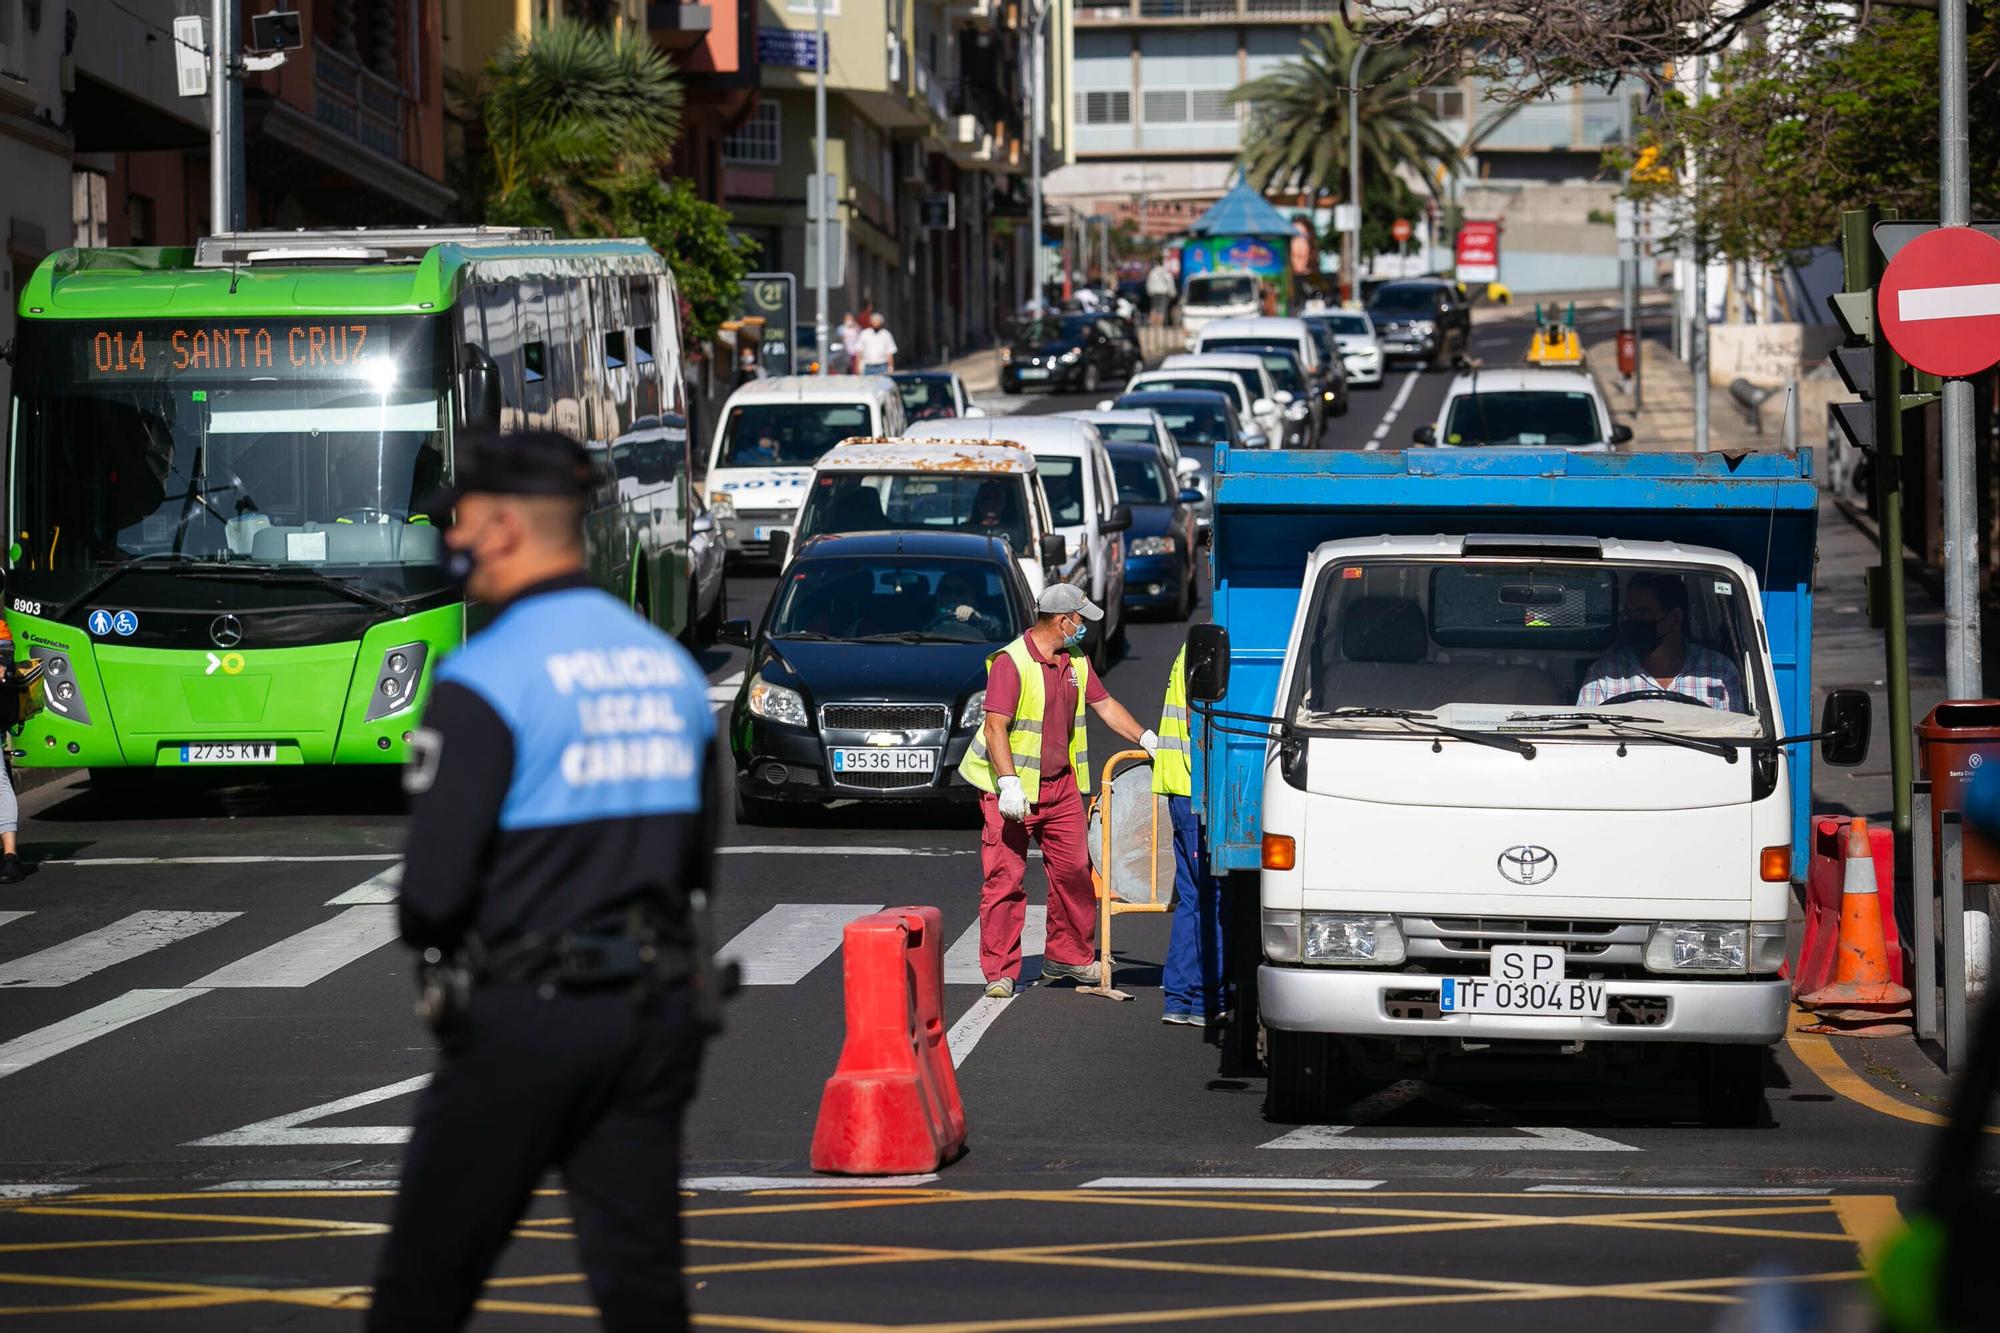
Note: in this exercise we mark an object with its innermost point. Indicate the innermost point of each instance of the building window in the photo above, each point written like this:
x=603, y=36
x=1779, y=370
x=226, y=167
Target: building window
x=1444, y=101
x=756, y=143
x=139, y=217
x=1182, y=106
x=1104, y=107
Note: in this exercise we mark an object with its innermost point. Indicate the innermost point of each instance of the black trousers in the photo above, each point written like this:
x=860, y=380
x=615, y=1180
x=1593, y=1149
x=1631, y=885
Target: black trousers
x=594, y=1084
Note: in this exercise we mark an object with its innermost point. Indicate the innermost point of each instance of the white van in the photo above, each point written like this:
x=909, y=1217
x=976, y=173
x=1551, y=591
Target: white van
x=770, y=434
x=1075, y=472
x=911, y=485
x=1228, y=293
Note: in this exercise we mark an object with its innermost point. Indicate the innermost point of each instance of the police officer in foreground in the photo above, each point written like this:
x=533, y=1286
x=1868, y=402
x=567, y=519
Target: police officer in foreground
x=561, y=844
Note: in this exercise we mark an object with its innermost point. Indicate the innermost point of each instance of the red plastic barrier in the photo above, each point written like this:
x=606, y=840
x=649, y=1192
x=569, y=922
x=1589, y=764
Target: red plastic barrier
x=892, y=1105
x=1824, y=879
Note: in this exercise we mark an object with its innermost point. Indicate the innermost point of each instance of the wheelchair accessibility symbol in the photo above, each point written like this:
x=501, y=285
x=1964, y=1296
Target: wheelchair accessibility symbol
x=125, y=624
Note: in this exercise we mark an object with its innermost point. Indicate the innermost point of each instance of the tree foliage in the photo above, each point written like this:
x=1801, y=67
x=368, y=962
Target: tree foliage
x=1814, y=115
x=709, y=261
x=1298, y=117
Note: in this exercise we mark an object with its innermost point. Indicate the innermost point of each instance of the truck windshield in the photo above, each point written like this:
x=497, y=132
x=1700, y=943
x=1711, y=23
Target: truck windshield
x=131, y=449
x=1523, y=416
x=771, y=434
x=913, y=501
x=1230, y=289
x=1524, y=645
x=850, y=598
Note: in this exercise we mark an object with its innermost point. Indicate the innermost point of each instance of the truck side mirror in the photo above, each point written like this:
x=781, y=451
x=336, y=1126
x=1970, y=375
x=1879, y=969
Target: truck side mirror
x=1621, y=434
x=1425, y=435
x=1846, y=722
x=1207, y=663
x=1055, y=548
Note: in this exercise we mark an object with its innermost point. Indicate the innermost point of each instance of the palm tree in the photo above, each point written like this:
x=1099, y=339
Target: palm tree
x=1297, y=138
x=569, y=110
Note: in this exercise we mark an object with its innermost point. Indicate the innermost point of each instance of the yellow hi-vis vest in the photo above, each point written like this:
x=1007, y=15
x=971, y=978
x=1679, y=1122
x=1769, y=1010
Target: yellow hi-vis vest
x=1173, y=770
x=1024, y=732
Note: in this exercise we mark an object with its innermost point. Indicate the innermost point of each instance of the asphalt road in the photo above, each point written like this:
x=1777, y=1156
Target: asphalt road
x=208, y=1057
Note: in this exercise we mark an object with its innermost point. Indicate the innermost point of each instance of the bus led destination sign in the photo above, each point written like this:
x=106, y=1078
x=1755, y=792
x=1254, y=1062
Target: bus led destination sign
x=337, y=348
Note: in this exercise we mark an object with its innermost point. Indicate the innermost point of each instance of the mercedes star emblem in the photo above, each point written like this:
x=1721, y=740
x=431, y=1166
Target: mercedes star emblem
x=1528, y=865
x=226, y=631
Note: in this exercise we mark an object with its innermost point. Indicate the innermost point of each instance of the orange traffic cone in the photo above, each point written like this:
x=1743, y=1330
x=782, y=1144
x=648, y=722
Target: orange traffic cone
x=1861, y=991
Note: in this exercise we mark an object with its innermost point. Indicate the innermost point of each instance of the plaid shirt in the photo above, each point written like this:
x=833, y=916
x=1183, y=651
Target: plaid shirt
x=1706, y=675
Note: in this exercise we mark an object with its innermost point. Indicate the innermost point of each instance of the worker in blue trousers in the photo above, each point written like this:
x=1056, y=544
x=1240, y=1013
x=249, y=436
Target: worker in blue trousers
x=1195, y=993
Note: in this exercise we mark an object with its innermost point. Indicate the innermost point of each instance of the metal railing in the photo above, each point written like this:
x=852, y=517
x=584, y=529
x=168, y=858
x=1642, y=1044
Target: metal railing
x=1125, y=11
x=362, y=105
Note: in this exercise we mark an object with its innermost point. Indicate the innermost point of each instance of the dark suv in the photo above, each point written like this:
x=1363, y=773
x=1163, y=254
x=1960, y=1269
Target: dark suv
x=1422, y=319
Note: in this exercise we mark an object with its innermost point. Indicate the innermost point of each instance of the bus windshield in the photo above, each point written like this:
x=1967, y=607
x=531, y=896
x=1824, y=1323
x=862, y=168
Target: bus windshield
x=225, y=464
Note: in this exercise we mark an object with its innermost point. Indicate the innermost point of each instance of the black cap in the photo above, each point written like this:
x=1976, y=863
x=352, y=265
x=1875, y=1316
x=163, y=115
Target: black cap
x=529, y=462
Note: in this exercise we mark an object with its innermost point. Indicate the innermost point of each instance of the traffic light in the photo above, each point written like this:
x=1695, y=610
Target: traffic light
x=1854, y=362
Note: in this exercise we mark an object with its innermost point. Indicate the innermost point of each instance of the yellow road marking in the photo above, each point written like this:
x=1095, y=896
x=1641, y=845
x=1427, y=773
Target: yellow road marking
x=1817, y=1053
x=1869, y=1220
x=242, y=1219
x=130, y=1242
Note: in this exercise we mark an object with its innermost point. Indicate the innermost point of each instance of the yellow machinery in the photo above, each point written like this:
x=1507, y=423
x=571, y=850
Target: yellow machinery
x=1555, y=342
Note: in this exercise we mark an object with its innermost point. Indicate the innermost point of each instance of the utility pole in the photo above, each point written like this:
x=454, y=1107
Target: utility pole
x=817, y=196
x=1963, y=676
x=1698, y=352
x=1038, y=83
x=1350, y=251
x=224, y=131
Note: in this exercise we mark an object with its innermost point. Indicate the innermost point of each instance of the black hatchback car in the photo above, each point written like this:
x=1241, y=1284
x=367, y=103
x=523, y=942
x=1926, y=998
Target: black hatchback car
x=1421, y=318
x=867, y=678
x=1075, y=352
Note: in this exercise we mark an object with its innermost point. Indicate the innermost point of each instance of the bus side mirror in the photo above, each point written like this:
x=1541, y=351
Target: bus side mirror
x=1845, y=726
x=1207, y=663
x=479, y=390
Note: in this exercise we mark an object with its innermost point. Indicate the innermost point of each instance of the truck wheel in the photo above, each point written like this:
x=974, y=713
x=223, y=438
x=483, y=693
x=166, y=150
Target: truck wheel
x=1731, y=1084
x=1299, y=1079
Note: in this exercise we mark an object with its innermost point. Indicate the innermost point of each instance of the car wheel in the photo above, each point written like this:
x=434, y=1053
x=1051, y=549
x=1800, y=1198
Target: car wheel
x=755, y=811
x=1091, y=377
x=1184, y=602
x=1301, y=1083
x=1343, y=401
x=1009, y=387
x=711, y=628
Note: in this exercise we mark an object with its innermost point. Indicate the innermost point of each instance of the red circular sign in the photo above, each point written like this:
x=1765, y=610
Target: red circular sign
x=1939, y=302
x=1400, y=229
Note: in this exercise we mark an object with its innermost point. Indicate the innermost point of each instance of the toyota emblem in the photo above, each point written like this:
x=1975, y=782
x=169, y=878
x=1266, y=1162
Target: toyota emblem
x=226, y=631
x=1528, y=865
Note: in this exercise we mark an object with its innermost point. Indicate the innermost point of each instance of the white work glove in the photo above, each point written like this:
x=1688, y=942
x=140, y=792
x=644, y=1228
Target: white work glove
x=1150, y=742
x=1013, y=801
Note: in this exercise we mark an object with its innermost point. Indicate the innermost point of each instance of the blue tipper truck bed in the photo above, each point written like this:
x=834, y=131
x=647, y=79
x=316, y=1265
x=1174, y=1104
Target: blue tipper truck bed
x=1273, y=508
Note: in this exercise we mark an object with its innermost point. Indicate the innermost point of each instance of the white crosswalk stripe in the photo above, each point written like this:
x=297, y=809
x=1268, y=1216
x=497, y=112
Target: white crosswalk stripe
x=780, y=947
x=313, y=953
x=124, y=939
x=92, y=1023
x=5, y=917
x=961, y=960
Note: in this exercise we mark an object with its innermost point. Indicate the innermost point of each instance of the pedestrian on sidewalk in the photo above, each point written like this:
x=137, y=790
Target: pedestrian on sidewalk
x=1032, y=761
x=1159, y=291
x=555, y=881
x=1192, y=979
x=850, y=338
x=876, y=347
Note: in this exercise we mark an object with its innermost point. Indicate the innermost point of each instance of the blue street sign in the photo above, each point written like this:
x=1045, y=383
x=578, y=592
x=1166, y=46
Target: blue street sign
x=785, y=47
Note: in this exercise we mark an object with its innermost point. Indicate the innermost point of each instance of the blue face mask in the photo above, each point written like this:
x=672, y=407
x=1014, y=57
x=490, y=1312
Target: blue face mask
x=1075, y=638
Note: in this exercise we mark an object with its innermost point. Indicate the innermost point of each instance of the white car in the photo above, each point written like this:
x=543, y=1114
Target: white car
x=921, y=485
x=767, y=439
x=1133, y=426
x=1360, y=351
x=1277, y=412
x=1076, y=477
x=1526, y=406
x=1216, y=381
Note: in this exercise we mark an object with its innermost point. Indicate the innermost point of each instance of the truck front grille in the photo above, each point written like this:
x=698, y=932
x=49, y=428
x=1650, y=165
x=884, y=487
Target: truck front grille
x=1463, y=944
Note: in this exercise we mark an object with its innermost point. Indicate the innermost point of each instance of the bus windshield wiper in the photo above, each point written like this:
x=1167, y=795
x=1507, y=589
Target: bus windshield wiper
x=1429, y=722
x=119, y=571
x=302, y=574
x=1623, y=727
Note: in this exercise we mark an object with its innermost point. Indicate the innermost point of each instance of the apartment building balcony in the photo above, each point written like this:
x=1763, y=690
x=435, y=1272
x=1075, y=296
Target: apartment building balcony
x=1169, y=13
x=969, y=143
x=680, y=27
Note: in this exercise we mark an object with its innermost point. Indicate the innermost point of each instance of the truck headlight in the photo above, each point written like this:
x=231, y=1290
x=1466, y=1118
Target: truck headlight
x=1155, y=546
x=1352, y=937
x=776, y=703
x=1698, y=946
x=1281, y=936
x=722, y=504
x=974, y=712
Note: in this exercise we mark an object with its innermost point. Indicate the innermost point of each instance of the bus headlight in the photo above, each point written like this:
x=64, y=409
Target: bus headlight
x=59, y=690
x=396, y=680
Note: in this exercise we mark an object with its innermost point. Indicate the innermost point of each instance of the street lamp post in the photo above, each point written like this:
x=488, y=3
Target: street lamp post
x=1038, y=95
x=816, y=196
x=1350, y=258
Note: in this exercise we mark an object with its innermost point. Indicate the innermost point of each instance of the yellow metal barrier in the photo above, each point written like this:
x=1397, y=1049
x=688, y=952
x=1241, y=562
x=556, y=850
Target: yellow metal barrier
x=1160, y=888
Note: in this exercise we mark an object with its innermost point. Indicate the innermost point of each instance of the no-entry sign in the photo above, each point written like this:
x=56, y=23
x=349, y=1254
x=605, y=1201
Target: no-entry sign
x=1400, y=229
x=1939, y=302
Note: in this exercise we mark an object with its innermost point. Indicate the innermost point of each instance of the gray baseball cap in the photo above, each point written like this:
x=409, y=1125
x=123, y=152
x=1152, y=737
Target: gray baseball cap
x=1062, y=599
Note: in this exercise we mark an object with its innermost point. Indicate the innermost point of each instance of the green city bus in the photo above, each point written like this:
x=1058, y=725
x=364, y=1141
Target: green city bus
x=219, y=456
